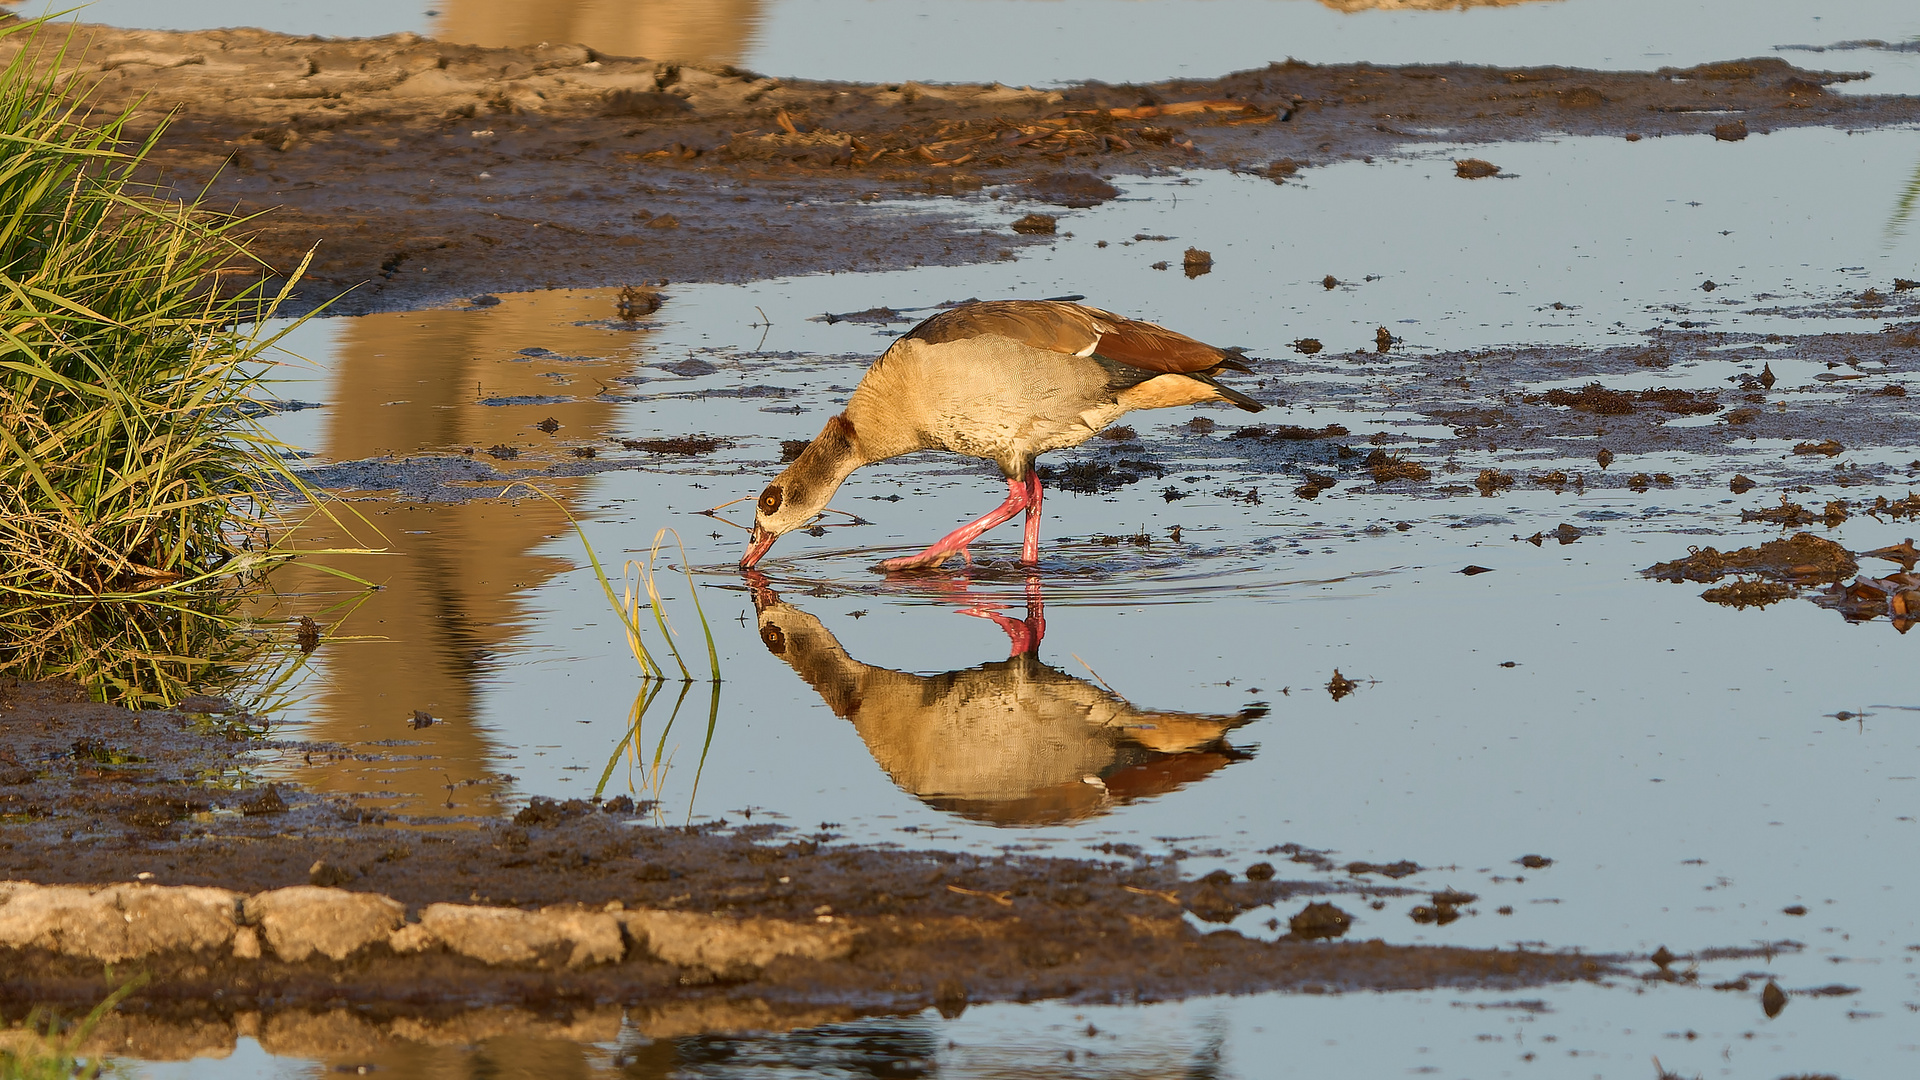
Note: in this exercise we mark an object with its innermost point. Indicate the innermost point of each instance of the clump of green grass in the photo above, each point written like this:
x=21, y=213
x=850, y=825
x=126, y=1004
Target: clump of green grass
x=136, y=485
x=639, y=596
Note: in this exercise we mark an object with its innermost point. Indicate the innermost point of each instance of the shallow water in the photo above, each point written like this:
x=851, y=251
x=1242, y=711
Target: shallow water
x=1022, y=42
x=1680, y=762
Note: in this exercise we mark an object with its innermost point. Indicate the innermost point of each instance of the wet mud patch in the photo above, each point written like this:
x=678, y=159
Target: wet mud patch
x=720, y=154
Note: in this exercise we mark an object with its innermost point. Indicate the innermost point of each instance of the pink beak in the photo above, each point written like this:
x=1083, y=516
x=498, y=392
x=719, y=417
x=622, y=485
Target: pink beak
x=757, y=545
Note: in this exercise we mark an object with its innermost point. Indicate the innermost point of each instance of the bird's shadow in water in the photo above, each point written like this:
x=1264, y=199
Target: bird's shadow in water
x=1014, y=742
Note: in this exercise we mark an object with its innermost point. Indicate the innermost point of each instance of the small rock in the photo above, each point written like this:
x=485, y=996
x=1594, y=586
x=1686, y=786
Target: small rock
x=1036, y=225
x=305, y=919
x=1475, y=168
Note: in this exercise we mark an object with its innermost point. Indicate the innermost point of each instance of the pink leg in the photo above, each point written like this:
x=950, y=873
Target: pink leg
x=1030, y=550
x=1024, y=635
x=959, y=540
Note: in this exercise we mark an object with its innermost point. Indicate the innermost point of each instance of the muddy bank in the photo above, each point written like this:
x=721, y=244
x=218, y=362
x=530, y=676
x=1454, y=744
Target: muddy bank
x=427, y=171
x=238, y=897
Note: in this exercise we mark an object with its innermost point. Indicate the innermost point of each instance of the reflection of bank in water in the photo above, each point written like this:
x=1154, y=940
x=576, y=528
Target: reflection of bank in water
x=454, y=583
x=1013, y=742
x=699, y=31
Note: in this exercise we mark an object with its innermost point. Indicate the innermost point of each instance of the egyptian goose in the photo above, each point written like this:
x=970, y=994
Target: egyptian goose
x=1005, y=380
x=1015, y=742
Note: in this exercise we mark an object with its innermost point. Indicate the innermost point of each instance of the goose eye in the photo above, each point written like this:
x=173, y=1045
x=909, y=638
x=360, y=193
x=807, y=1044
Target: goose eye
x=774, y=639
x=770, y=499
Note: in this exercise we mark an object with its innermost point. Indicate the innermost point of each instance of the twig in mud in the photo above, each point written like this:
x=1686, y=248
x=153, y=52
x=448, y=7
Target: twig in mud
x=998, y=898
x=1167, y=896
x=1096, y=675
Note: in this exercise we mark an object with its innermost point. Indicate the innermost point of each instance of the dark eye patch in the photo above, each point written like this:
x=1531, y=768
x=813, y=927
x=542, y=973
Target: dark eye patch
x=774, y=639
x=770, y=499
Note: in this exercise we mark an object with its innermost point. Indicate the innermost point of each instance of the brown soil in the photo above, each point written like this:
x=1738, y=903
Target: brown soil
x=96, y=794
x=426, y=171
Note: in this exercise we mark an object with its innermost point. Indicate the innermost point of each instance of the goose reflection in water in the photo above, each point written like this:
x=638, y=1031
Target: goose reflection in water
x=1015, y=742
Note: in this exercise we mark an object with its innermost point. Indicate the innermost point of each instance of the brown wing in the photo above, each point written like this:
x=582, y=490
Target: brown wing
x=1075, y=330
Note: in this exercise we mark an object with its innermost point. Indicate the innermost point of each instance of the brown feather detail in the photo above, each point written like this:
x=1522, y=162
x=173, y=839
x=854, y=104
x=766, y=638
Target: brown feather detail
x=1152, y=347
x=1043, y=324
x=1074, y=329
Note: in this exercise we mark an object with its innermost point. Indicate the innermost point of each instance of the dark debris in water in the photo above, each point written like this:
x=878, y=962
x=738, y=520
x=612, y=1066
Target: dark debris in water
x=1597, y=399
x=1896, y=596
x=682, y=445
x=1394, y=870
x=1386, y=468
x=1285, y=432
x=873, y=316
x=1564, y=534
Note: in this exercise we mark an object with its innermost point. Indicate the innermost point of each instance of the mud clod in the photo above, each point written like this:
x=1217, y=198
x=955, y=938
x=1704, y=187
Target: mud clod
x=267, y=802
x=1387, y=467
x=1772, y=999
x=1307, y=346
x=1825, y=448
x=1383, y=340
x=1340, y=686
x=1787, y=514
x=1036, y=225
x=1394, y=870
x=1741, y=595
x=1313, y=484
x=1319, y=921
x=1604, y=457
x=1600, y=401
x=1740, y=484
x=1475, y=169
x=1732, y=131
x=639, y=301
x=1800, y=559
x=1492, y=480
x=1074, y=190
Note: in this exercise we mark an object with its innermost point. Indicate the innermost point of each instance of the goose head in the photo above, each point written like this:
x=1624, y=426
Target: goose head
x=803, y=489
